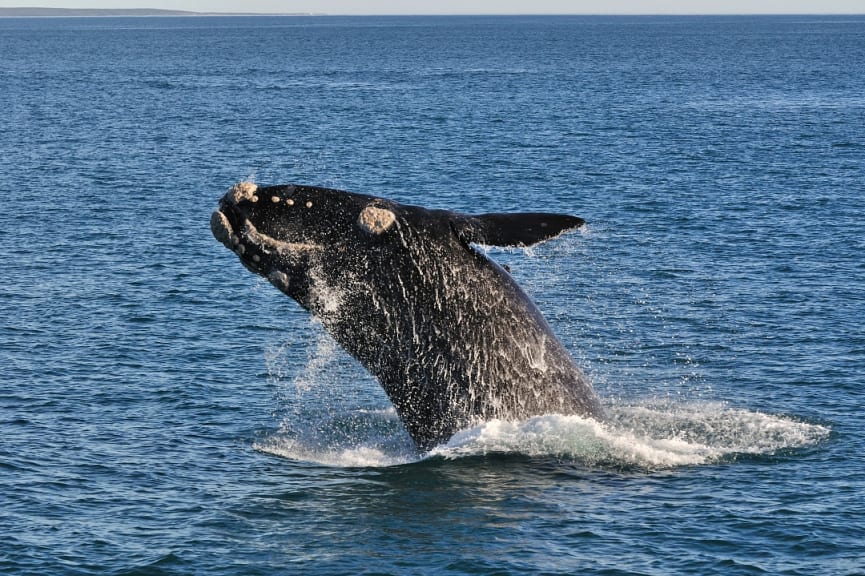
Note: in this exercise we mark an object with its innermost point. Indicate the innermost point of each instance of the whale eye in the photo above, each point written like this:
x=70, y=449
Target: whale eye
x=375, y=219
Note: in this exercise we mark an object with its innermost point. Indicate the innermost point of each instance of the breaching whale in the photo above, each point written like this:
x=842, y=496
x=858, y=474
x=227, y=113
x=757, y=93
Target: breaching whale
x=447, y=332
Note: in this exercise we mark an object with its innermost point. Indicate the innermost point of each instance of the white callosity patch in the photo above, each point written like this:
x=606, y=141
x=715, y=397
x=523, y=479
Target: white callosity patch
x=272, y=245
x=222, y=231
x=244, y=191
x=278, y=279
x=375, y=219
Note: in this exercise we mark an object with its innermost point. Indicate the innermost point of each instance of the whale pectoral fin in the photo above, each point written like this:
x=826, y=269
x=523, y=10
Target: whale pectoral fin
x=514, y=229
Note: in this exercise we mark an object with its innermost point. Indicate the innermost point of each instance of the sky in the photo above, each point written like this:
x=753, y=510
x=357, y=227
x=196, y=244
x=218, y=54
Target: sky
x=474, y=6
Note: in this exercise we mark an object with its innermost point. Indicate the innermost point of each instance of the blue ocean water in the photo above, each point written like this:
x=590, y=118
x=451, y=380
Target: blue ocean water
x=162, y=411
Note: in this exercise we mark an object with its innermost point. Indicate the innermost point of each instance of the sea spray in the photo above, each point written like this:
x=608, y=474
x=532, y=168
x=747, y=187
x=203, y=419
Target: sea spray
x=333, y=413
x=636, y=437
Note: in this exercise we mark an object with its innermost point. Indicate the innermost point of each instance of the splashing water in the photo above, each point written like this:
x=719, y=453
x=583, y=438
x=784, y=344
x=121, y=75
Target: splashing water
x=641, y=436
x=332, y=423
x=647, y=437
x=365, y=447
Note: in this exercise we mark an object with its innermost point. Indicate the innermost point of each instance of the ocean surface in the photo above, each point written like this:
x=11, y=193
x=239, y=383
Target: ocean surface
x=163, y=411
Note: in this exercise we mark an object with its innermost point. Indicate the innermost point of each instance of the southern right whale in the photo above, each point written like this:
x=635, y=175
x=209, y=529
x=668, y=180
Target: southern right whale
x=447, y=332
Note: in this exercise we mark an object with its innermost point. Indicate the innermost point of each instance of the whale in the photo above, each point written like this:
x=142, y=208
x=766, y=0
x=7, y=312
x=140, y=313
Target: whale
x=408, y=291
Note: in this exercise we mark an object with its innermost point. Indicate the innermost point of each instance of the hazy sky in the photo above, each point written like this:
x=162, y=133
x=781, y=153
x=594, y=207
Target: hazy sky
x=475, y=6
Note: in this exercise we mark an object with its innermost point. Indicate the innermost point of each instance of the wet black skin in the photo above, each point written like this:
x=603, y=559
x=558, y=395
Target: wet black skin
x=450, y=336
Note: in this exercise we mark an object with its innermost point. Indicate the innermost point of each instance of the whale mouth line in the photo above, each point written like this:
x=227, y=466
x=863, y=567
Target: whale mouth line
x=269, y=245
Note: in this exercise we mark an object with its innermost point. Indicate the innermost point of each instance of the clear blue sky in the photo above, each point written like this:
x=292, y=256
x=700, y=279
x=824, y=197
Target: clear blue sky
x=475, y=6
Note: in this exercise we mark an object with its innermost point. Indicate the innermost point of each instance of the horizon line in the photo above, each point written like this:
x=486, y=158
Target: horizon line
x=39, y=11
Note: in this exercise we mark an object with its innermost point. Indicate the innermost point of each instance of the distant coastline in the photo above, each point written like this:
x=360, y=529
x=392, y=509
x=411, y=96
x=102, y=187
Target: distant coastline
x=37, y=12
x=26, y=12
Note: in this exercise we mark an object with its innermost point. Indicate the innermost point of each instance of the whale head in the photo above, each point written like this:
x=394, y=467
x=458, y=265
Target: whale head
x=283, y=232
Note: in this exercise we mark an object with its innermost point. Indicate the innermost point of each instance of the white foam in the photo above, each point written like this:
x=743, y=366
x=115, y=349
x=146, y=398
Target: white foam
x=646, y=436
x=641, y=436
x=351, y=457
x=573, y=438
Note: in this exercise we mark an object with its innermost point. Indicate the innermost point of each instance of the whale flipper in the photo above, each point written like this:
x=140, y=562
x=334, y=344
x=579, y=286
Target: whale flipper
x=514, y=229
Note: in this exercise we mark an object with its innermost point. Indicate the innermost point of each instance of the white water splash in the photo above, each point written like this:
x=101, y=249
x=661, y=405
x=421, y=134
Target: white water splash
x=361, y=456
x=325, y=425
x=648, y=437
